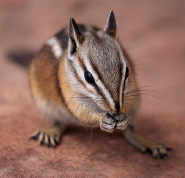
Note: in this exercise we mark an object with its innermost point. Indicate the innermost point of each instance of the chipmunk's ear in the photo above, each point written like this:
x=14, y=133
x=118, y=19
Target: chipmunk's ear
x=75, y=39
x=111, y=28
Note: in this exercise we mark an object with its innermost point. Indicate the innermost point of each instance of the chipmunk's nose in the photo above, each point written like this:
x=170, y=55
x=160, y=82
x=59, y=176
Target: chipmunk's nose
x=117, y=106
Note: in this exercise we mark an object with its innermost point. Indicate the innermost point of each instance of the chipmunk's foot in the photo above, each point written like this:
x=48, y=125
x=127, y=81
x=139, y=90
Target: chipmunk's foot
x=158, y=150
x=51, y=136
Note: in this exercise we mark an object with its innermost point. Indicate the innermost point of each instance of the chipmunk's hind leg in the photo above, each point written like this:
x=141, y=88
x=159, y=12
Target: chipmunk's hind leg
x=158, y=150
x=51, y=136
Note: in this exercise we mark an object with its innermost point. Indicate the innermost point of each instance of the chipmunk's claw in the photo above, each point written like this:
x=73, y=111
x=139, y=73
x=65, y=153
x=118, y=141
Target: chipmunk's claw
x=160, y=151
x=35, y=135
x=51, y=136
x=46, y=139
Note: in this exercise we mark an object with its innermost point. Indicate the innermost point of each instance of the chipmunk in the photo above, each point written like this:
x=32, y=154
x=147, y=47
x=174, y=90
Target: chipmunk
x=83, y=76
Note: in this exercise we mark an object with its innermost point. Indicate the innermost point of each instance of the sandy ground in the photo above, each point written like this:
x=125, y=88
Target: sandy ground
x=153, y=32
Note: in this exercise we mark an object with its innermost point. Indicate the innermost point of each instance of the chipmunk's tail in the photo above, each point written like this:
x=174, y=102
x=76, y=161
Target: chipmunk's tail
x=21, y=57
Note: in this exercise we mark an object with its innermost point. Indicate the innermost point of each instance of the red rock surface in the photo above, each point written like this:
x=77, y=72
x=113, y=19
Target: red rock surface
x=153, y=33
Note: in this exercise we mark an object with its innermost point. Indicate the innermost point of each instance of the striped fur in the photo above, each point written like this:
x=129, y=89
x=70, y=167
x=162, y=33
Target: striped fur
x=82, y=75
x=55, y=47
x=74, y=50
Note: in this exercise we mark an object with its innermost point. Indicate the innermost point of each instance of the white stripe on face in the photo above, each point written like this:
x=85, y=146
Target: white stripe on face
x=91, y=92
x=99, y=83
x=122, y=78
x=55, y=46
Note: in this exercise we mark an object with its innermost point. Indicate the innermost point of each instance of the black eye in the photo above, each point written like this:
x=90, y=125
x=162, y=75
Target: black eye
x=89, y=78
x=126, y=73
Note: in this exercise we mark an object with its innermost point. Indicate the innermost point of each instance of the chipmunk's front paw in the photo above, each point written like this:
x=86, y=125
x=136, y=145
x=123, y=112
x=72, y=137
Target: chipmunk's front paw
x=108, y=123
x=49, y=137
x=159, y=150
x=122, y=121
x=115, y=121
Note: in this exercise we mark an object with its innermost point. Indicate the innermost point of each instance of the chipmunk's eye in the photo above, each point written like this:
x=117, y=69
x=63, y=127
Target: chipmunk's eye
x=126, y=73
x=89, y=78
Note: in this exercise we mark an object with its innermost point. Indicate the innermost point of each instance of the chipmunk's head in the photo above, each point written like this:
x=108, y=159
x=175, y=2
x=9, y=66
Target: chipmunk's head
x=99, y=66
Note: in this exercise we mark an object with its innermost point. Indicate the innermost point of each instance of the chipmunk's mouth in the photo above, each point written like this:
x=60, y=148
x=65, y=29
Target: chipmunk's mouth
x=114, y=121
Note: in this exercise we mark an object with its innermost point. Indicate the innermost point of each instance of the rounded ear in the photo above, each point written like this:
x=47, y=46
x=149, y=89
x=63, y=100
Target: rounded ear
x=75, y=39
x=111, y=28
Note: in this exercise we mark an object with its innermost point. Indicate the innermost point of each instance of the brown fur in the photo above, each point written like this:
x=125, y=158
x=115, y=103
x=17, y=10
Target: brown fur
x=43, y=77
x=58, y=84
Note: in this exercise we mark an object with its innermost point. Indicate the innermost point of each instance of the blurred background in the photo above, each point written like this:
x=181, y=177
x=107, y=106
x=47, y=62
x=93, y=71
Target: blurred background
x=152, y=32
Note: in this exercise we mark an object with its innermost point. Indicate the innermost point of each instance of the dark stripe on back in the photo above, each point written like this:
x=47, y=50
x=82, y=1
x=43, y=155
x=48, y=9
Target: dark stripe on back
x=82, y=28
x=63, y=35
